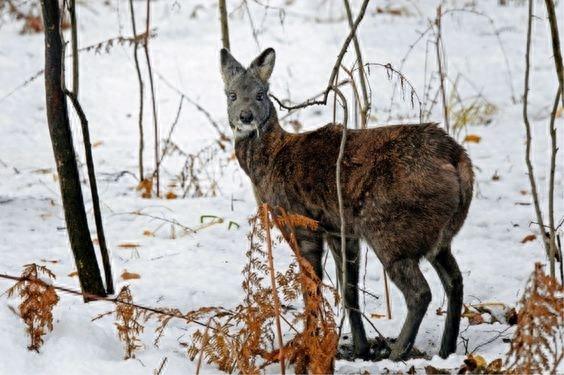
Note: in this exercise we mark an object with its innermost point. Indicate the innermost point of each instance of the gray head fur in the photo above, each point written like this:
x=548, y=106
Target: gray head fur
x=248, y=105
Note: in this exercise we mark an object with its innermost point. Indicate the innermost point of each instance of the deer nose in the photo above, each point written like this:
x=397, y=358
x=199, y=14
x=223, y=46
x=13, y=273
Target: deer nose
x=246, y=117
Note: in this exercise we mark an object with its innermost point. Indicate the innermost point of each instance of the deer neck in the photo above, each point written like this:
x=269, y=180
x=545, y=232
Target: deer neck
x=255, y=150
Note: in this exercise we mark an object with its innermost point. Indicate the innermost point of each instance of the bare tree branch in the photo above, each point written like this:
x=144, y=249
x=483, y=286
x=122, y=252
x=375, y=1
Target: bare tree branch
x=141, y=89
x=530, y=170
x=440, y=62
x=553, y=151
x=338, y=173
x=361, y=73
x=550, y=10
x=336, y=67
x=153, y=101
x=224, y=25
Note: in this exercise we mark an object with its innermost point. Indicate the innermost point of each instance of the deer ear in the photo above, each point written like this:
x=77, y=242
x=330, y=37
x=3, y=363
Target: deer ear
x=229, y=66
x=264, y=64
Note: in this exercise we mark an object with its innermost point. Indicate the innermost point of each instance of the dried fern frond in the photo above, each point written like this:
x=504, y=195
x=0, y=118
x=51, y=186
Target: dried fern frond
x=38, y=301
x=108, y=44
x=537, y=346
x=297, y=221
x=243, y=339
x=128, y=322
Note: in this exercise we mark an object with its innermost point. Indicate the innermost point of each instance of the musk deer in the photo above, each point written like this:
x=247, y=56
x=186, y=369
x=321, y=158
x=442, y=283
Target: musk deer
x=406, y=192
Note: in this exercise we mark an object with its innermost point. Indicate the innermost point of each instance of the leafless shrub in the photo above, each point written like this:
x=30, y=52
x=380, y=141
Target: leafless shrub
x=200, y=171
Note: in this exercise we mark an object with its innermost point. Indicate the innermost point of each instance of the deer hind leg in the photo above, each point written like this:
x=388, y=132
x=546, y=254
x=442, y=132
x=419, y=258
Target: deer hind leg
x=350, y=293
x=451, y=278
x=407, y=276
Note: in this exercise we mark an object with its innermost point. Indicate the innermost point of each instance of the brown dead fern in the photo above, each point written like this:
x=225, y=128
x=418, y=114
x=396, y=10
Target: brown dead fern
x=128, y=322
x=314, y=349
x=537, y=346
x=37, y=301
x=244, y=338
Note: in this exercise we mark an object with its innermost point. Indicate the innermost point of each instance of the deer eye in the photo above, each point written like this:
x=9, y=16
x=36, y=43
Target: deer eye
x=232, y=96
x=260, y=96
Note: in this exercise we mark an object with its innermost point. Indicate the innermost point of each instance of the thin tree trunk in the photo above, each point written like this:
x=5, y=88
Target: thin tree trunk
x=338, y=175
x=553, y=151
x=88, y=153
x=61, y=140
x=74, y=42
x=438, y=45
x=152, y=86
x=361, y=71
x=141, y=90
x=530, y=170
x=224, y=25
x=550, y=10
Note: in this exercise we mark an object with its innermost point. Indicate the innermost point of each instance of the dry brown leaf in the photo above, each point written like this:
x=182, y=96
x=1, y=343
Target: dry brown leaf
x=494, y=367
x=146, y=188
x=171, y=195
x=472, y=138
x=33, y=24
x=129, y=245
x=434, y=370
x=97, y=144
x=474, y=317
x=511, y=316
x=528, y=238
x=480, y=361
x=54, y=261
x=470, y=363
x=400, y=11
x=148, y=233
x=73, y=274
x=377, y=316
x=42, y=171
x=130, y=275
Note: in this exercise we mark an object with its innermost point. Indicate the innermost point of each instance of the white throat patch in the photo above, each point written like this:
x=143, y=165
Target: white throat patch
x=243, y=130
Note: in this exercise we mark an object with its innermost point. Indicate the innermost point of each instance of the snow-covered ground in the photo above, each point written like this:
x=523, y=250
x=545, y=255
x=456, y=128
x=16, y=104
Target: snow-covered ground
x=189, y=271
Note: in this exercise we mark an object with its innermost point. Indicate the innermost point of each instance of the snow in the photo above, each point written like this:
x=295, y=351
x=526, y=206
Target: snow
x=203, y=269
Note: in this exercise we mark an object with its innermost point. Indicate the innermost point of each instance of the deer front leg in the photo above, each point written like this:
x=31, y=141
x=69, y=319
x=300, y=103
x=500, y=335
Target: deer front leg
x=350, y=293
x=311, y=248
